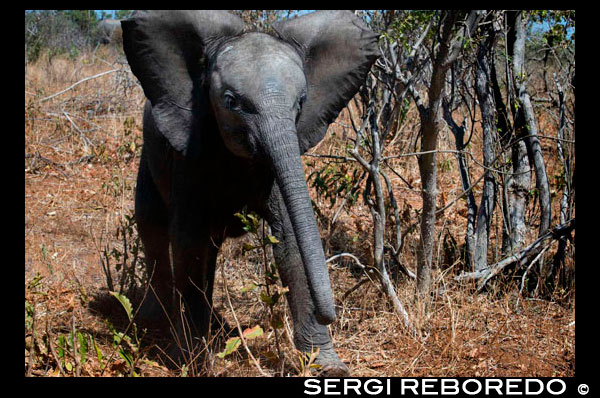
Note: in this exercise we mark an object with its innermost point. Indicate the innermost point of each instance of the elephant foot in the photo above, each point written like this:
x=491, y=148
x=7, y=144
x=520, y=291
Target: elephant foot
x=152, y=313
x=186, y=347
x=331, y=365
x=188, y=330
x=180, y=353
x=334, y=370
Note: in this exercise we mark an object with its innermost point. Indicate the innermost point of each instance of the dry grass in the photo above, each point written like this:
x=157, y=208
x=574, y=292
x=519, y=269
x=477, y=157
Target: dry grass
x=81, y=158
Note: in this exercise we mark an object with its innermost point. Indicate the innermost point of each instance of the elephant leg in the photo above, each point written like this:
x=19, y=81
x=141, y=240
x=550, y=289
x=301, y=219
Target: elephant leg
x=308, y=333
x=152, y=222
x=194, y=262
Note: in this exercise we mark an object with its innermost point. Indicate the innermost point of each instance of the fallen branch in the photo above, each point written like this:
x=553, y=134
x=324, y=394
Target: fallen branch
x=520, y=258
x=78, y=83
x=36, y=156
x=86, y=141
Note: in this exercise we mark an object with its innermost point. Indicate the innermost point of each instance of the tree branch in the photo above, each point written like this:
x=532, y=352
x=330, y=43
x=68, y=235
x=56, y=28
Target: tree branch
x=78, y=83
x=520, y=258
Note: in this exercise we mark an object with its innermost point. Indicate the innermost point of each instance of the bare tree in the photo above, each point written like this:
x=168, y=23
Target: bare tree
x=449, y=46
x=529, y=123
x=518, y=181
x=485, y=95
x=374, y=187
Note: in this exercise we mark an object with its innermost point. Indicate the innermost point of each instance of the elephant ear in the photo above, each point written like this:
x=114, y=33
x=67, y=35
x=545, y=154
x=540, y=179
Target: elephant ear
x=165, y=50
x=338, y=51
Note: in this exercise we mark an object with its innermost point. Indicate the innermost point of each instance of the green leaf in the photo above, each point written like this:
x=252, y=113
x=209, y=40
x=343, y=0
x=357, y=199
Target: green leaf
x=271, y=274
x=250, y=221
x=271, y=240
x=277, y=322
x=254, y=219
x=247, y=288
x=83, y=346
x=265, y=298
x=61, y=346
x=37, y=280
x=253, y=333
x=126, y=356
x=246, y=247
x=125, y=303
x=151, y=363
x=29, y=312
x=98, y=352
x=230, y=346
x=242, y=218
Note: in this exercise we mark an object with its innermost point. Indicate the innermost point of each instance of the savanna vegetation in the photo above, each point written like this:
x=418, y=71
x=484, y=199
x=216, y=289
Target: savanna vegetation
x=444, y=193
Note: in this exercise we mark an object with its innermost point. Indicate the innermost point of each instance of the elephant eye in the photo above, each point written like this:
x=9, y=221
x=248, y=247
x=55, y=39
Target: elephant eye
x=302, y=100
x=230, y=101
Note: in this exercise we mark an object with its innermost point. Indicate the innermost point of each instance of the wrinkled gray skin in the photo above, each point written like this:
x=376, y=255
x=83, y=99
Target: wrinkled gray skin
x=110, y=30
x=228, y=116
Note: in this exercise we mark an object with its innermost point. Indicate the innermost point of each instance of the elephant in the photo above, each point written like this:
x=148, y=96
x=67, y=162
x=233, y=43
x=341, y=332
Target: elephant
x=227, y=117
x=109, y=31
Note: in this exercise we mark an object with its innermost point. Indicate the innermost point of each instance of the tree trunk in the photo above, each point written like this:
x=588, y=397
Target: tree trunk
x=430, y=126
x=505, y=133
x=530, y=128
x=518, y=182
x=518, y=191
x=565, y=203
x=428, y=172
x=488, y=116
x=459, y=140
x=431, y=123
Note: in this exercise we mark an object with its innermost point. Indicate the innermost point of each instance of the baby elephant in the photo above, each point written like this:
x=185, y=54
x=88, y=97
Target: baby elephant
x=228, y=116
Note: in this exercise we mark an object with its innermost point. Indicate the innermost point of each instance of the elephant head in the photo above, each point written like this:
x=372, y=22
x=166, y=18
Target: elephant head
x=110, y=31
x=272, y=96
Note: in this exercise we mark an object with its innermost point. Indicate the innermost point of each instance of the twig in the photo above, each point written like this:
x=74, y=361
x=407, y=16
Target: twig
x=53, y=351
x=396, y=257
x=271, y=312
x=353, y=288
x=466, y=191
x=78, y=83
x=385, y=162
x=535, y=260
x=378, y=209
x=336, y=157
x=239, y=328
x=423, y=153
x=33, y=341
x=86, y=141
x=57, y=166
x=352, y=256
x=353, y=189
x=396, y=250
x=74, y=344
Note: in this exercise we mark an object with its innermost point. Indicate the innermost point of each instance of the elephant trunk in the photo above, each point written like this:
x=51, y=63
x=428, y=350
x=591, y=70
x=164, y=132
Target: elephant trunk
x=282, y=151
